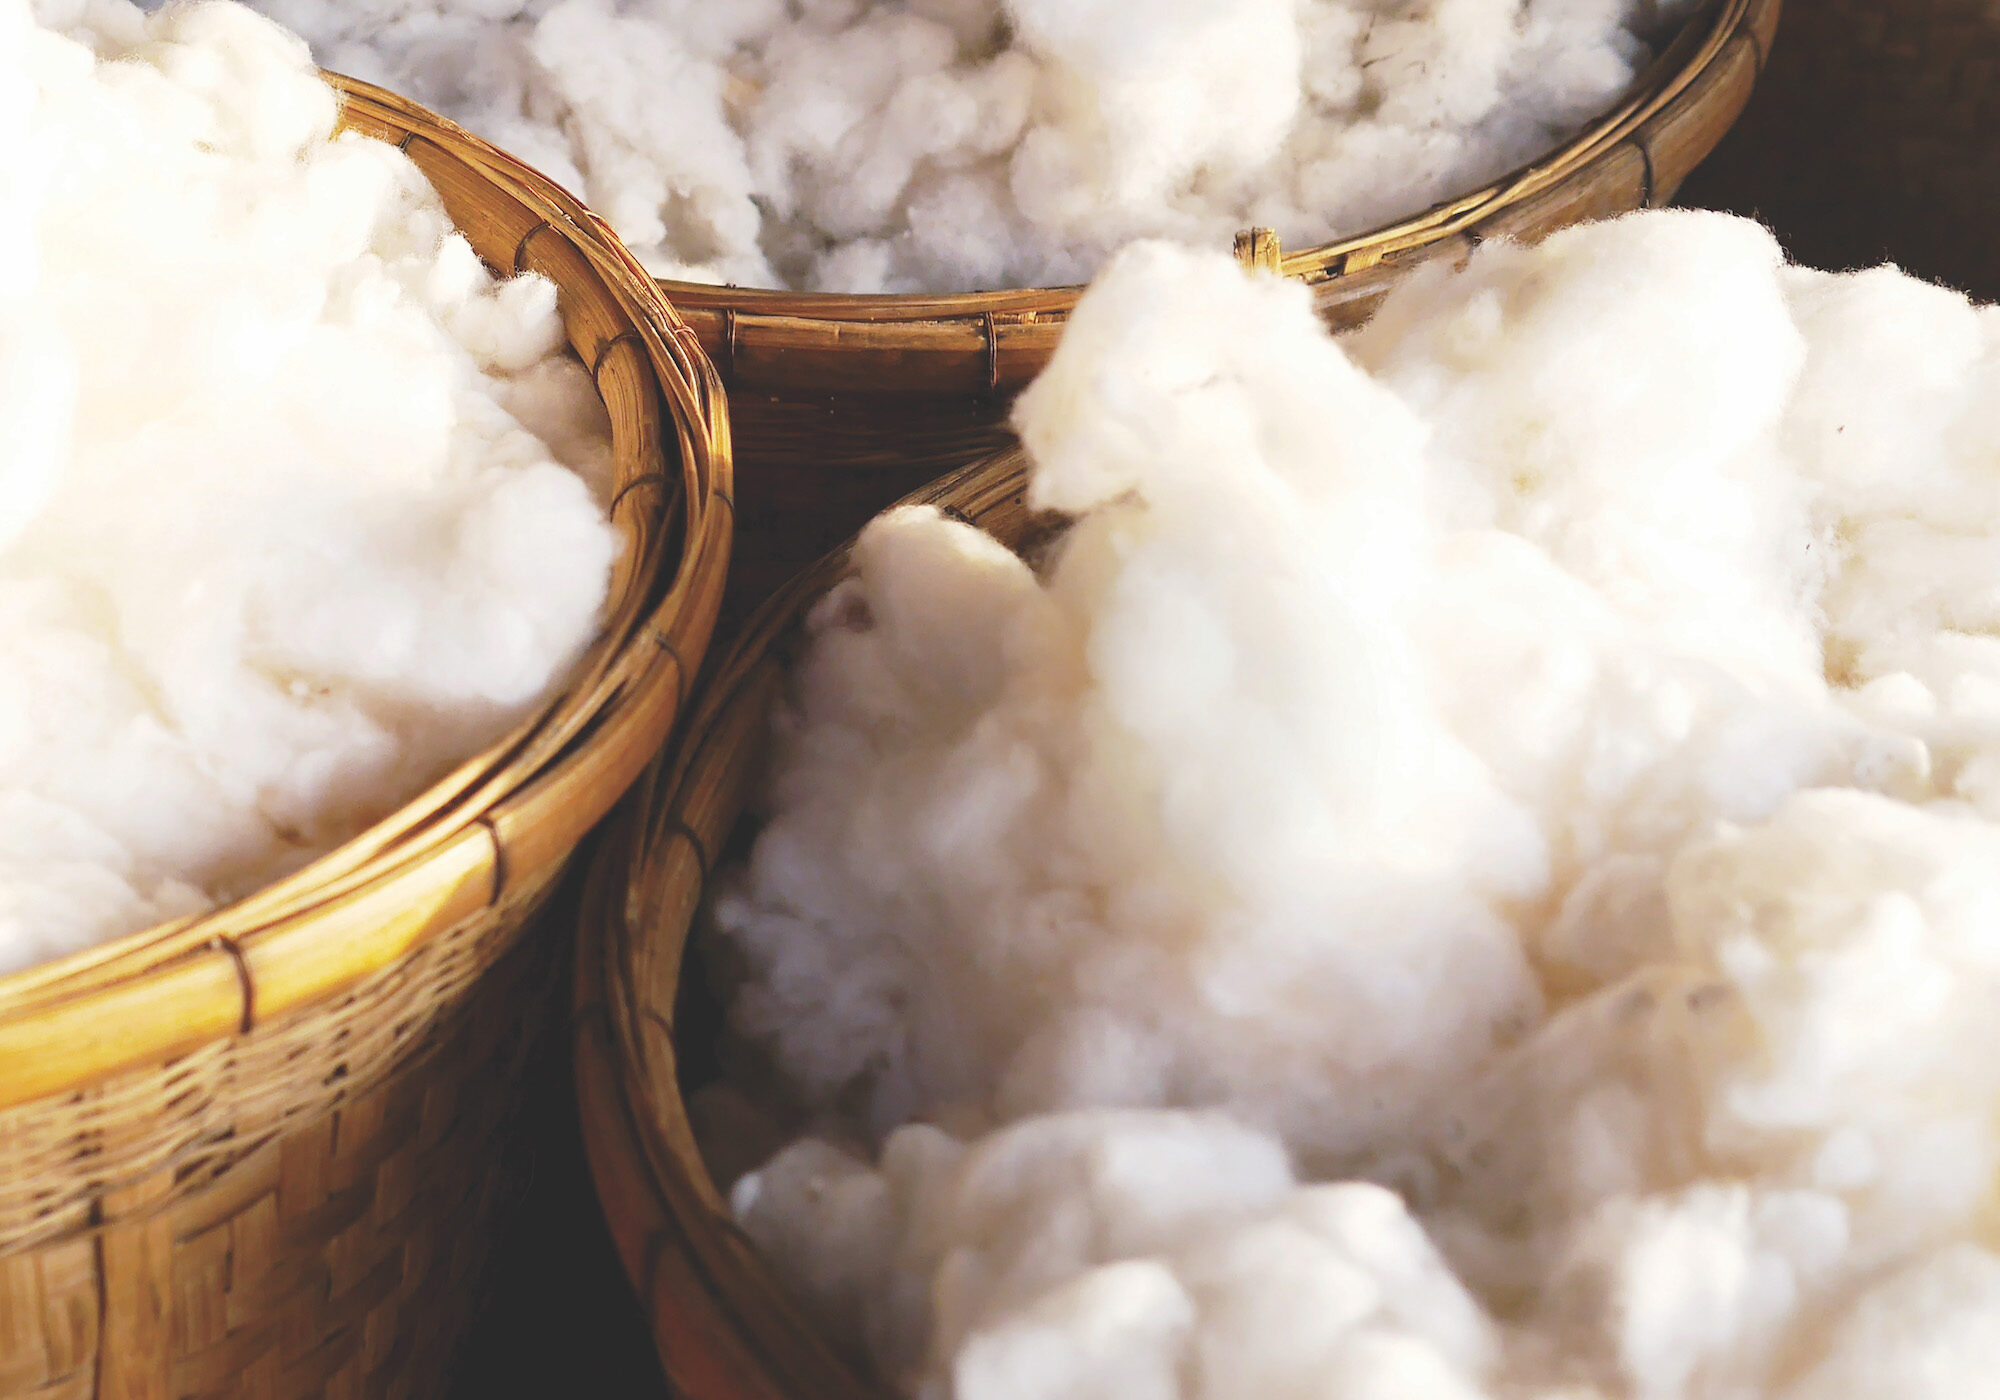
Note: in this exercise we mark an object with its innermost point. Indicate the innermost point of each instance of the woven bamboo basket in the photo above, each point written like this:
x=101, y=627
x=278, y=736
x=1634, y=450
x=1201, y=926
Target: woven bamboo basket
x=724, y=1328
x=841, y=404
x=1873, y=139
x=255, y=1153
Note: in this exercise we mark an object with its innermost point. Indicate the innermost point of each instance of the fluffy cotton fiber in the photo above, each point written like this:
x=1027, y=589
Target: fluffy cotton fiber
x=911, y=145
x=283, y=527
x=1473, y=870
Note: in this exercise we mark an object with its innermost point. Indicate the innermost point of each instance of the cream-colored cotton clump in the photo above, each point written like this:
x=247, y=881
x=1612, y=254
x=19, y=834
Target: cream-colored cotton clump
x=298, y=504
x=942, y=145
x=1498, y=811
x=1116, y=1254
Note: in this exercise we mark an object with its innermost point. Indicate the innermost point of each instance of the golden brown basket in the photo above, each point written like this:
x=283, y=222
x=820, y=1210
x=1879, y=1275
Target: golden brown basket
x=254, y=1153
x=1873, y=138
x=723, y=1327
x=843, y=403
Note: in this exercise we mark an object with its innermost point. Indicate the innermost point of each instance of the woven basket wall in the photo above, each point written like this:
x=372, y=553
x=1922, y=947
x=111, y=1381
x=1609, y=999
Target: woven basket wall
x=841, y=404
x=255, y=1154
x=723, y=1327
x=1875, y=137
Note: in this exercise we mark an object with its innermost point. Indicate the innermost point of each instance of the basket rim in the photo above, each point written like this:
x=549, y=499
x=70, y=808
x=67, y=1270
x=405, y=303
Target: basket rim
x=634, y=1117
x=642, y=655
x=1673, y=70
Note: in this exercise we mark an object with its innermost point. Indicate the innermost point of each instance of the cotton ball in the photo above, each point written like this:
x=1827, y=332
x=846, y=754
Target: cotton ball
x=27, y=164
x=1891, y=380
x=1200, y=82
x=38, y=393
x=1174, y=1247
x=256, y=79
x=507, y=326
x=1370, y=1226
x=1620, y=738
x=38, y=386
x=104, y=27
x=1442, y=65
x=1183, y=631
x=1580, y=295
x=1005, y=1234
x=1088, y=1058
x=1115, y=1331
x=1584, y=54
x=644, y=120
x=1697, y=1284
x=1925, y=1332
x=921, y=578
x=853, y=267
x=1141, y=1180
x=1863, y=901
x=829, y=1218
x=1863, y=969
x=1367, y=168
x=1378, y=1366
x=1626, y=306
x=62, y=880
x=1175, y=358
x=1274, y=1302
x=924, y=577
x=1891, y=356
x=556, y=402
x=1339, y=1294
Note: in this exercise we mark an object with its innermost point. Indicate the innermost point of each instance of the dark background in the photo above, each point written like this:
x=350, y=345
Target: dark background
x=559, y=1320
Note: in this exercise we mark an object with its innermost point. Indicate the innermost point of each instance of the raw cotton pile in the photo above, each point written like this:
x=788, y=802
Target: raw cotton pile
x=298, y=504
x=943, y=145
x=1474, y=870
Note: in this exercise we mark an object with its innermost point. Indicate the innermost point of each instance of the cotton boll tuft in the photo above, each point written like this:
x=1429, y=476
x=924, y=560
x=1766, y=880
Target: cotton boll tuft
x=1926, y=1331
x=1116, y=1331
x=1303, y=752
x=1685, y=1290
x=38, y=392
x=1154, y=95
x=1153, y=1254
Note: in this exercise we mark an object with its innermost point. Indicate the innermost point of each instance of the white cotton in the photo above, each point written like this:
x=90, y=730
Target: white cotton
x=1030, y=804
x=1926, y=1332
x=946, y=145
x=1142, y=1255
x=299, y=504
x=1470, y=869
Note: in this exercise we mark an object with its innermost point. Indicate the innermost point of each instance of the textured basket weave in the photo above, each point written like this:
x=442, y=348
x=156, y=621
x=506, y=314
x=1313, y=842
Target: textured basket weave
x=253, y=1154
x=841, y=404
x=723, y=1327
x=1875, y=137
